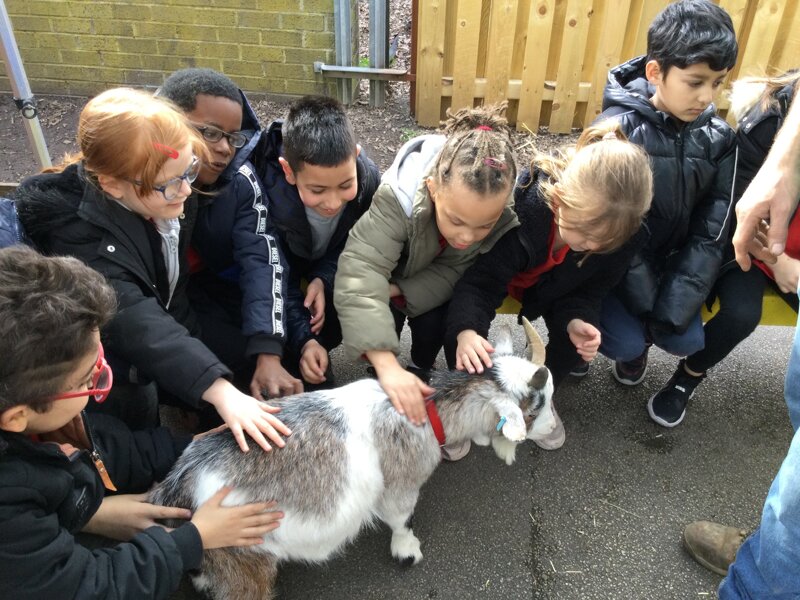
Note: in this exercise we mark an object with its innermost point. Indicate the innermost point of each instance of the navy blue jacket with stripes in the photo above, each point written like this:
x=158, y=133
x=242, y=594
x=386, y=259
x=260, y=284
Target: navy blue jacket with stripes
x=234, y=238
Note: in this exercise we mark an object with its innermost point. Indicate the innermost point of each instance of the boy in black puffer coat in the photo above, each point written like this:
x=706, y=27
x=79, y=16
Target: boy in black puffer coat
x=663, y=101
x=318, y=182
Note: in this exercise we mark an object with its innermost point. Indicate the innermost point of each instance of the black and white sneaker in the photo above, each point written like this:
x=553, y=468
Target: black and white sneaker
x=580, y=370
x=668, y=406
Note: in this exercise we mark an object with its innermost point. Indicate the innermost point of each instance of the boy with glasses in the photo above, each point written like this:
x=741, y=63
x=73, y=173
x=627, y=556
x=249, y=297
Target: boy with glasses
x=238, y=283
x=57, y=463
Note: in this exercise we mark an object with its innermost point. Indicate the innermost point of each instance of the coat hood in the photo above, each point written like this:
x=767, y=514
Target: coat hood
x=411, y=165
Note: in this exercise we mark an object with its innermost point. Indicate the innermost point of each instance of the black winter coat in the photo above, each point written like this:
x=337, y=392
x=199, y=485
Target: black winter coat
x=235, y=238
x=65, y=214
x=287, y=214
x=573, y=289
x=46, y=497
x=693, y=166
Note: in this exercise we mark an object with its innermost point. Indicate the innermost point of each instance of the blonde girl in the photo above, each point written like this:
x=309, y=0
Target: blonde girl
x=123, y=206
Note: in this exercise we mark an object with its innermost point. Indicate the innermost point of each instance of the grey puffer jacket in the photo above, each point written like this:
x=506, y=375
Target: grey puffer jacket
x=693, y=166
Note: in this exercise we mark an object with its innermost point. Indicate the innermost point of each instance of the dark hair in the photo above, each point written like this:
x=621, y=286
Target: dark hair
x=49, y=309
x=183, y=87
x=691, y=32
x=479, y=149
x=318, y=132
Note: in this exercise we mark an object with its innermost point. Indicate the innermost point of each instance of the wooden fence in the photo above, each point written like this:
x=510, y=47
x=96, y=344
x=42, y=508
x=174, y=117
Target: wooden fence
x=550, y=58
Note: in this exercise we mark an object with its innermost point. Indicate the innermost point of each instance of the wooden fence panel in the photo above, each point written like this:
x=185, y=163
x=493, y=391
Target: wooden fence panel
x=550, y=58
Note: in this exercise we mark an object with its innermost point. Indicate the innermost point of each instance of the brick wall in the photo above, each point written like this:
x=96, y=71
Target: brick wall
x=81, y=47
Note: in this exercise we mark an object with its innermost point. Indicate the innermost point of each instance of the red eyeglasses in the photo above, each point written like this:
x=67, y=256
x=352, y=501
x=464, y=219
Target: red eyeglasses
x=102, y=379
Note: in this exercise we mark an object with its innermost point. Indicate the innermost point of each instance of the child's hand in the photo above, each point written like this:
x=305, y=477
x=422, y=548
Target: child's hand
x=224, y=526
x=313, y=362
x=315, y=302
x=244, y=413
x=585, y=337
x=394, y=290
x=122, y=517
x=405, y=390
x=472, y=352
x=786, y=271
x=272, y=378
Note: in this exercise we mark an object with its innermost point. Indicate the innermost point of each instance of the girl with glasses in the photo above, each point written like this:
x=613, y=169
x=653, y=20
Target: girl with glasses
x=125, y=207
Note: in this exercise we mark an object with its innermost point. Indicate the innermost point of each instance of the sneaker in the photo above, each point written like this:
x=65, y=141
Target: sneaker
x=631, y=372
x=668, y=406
x=580, y=370
x=713, y=545
x=456, y=451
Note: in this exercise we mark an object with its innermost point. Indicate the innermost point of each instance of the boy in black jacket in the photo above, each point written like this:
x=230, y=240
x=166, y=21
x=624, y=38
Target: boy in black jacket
x=663, y=101
x=318, y=182
x=238, y=282
x=55, y=460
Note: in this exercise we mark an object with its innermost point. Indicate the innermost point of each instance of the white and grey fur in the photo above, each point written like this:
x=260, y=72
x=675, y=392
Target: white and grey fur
x=350, y=460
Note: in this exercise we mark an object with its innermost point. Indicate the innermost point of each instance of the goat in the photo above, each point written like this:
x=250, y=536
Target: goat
x=351, y=459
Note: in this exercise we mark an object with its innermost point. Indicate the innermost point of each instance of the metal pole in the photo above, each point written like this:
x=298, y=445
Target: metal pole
x=23, y=97
x=344, y=46
x=378, y=48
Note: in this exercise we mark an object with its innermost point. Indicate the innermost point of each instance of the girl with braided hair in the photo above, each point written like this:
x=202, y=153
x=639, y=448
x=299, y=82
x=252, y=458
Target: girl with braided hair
x=579, y=211
x=445, y=199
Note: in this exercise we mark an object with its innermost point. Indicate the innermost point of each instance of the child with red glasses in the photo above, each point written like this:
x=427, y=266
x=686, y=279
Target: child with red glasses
x=57, y=464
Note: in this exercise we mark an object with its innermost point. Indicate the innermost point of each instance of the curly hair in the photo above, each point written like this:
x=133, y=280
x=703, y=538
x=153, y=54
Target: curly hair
x=183, y=87
x=49, y=309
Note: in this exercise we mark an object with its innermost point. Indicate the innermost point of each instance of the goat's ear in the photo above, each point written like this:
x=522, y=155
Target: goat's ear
x=512, y=423
x=539, y=379
x=503, y=343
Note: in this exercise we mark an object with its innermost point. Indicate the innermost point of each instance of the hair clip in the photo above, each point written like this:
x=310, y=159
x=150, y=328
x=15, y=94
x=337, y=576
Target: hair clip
x=483, y=128
x=611, y=135
x=166, y=150
x=494, y=163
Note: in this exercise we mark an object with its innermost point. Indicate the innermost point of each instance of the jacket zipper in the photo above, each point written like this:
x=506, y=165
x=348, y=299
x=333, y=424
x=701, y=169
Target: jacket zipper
x=96, y=458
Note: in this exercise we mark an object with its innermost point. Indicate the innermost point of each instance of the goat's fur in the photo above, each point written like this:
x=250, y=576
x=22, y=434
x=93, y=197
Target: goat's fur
x=351, y=459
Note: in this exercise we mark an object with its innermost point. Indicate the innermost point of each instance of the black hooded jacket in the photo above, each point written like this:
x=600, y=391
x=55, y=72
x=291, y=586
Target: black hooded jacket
x=47, y=495
x=66, y=214
x=235, y=237
x=693, y=166
x=287, y=214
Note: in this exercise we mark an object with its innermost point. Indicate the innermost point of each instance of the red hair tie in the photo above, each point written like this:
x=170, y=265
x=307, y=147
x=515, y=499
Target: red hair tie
x=483, y=128
x=168, y=151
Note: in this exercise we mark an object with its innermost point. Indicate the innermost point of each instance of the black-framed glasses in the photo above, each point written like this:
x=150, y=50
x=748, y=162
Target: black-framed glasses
x=171, y=188
x=214, y=134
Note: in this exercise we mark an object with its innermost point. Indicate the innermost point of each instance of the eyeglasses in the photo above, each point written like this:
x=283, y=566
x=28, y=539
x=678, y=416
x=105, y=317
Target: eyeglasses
x=171, y=188
x=102, y=379
x=214, y=134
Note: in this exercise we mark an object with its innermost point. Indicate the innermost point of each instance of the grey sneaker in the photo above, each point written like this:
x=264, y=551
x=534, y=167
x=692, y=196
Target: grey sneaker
x=580, y=370
x=713, y=545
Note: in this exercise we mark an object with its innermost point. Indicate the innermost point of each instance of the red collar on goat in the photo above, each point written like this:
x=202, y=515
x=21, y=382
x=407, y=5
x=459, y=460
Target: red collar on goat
x=436, y=422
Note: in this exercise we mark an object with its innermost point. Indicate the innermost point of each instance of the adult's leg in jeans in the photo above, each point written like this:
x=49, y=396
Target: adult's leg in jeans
x=623, y=334
x=767, y=565
x=427, y=336
x=740, y=298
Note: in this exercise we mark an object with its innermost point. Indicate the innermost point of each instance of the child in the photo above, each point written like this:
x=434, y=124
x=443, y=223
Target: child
x=577, y=213
x=123, y=206
x=319, y=183
x=55, y=460
x=663, y=103
x=240, y=286
x=444, y=200
x=761, y=106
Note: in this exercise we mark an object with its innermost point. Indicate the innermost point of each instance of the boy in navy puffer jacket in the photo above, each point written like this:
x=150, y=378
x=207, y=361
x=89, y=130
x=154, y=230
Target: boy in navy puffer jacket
x=663, y=101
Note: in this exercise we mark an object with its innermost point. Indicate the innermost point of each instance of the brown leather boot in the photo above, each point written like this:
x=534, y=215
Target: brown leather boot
x=713, y=545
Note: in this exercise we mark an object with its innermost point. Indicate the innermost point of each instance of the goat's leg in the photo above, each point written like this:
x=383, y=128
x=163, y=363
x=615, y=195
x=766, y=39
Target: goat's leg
x=396, y=509
x=237, y=573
